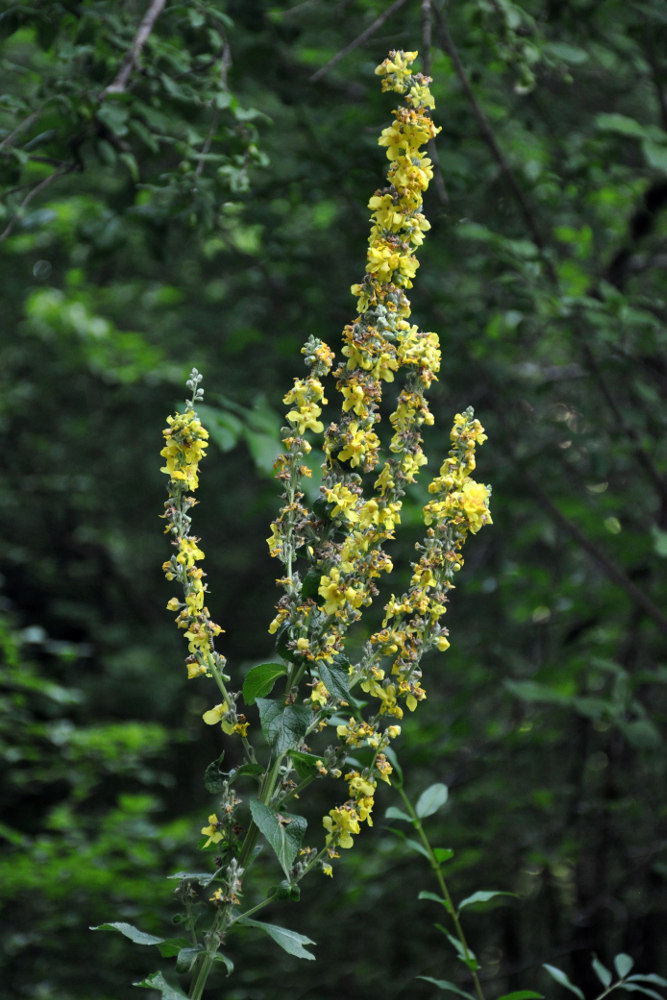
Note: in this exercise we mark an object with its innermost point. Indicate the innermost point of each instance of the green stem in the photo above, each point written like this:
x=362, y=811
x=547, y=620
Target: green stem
x=451, y=909
x=223, y=918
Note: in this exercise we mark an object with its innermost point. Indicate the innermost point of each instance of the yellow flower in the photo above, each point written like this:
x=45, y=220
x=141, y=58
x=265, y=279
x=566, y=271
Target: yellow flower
x=475, y=504
x=216, y=714
x=212, y=831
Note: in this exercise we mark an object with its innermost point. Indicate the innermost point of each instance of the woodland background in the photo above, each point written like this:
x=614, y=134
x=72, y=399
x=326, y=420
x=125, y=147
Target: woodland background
x=206, y=205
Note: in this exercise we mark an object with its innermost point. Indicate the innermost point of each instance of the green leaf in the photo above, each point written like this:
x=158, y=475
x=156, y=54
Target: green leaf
x=470, y=961
x=522, y=995
x=623, y=963
x=435, y=898
x=444, y=984
x=283, y=726
x=305, y=764
x=131, y=932
x=656, y=155
x=394, y=813
x=259, y=680
x=601, y=971
x=620, y=124
x=335, y=677
x=568, y=53
x=649, y=977
x=482, y=896
x=214, y=776
x=165, y=989
x=289, y=941
x=431, y=800
x=225, y=428
x=201, y=878
x=416, y=846
x=563, y=980
x=443, y=854
x=636, y=988
x=284, y=832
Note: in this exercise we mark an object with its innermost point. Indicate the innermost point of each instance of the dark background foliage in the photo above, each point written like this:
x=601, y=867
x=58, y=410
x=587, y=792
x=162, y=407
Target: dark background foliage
x=204, y=205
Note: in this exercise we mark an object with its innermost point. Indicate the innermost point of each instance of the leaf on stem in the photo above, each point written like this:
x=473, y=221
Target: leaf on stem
x=168, y=947
x=289, y=941
x=444, y=984
x=563, y=980
x=259, y=680
x=522, y=995
x=623, y=963
x=129, y=931
x=394, y=813
x=305, y=764
x=202, y=878
x=442, y=854
x=483, y=896
x=284, y=832
x=431, y=800
x=601, y=971
x=165, y=989
x=432, y=895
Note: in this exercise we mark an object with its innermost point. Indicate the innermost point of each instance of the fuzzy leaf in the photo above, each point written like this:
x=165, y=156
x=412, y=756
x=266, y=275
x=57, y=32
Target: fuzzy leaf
x=130, y=931
x=431, y=800
x=563, y=980
x=259, y=680
x=289, y=941
x=165, y=989
x=202, y=878
x=284, y=727
x=283, y=832
x=335, y=677
x=305, y=764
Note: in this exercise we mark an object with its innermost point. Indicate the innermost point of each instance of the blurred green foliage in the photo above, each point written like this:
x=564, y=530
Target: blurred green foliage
x=211, y=212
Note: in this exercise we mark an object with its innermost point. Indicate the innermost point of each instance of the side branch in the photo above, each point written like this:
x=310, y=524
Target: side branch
x=118, y=85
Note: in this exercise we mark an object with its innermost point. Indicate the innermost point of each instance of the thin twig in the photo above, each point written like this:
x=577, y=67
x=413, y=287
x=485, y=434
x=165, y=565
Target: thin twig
x=118, y=85
x=426, y=37
x=641, y=454
x=611, y=569
x=488, y=135
x=359, y=40
x=21, y=125
x=225, y=63
x=64, y=169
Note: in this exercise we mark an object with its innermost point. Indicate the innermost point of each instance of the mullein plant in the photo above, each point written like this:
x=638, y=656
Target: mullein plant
x=331, y=555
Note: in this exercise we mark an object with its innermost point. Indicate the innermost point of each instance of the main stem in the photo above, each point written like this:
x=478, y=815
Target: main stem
x=437, y=871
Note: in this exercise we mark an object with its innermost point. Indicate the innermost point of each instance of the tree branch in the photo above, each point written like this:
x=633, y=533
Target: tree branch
x=370, y=30
x=65, y=168
x=488, y=135
x=118, y=85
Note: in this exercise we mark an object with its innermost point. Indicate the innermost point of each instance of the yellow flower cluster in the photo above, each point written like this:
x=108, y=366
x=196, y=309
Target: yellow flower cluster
x=333, y=554
x=186, y=442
